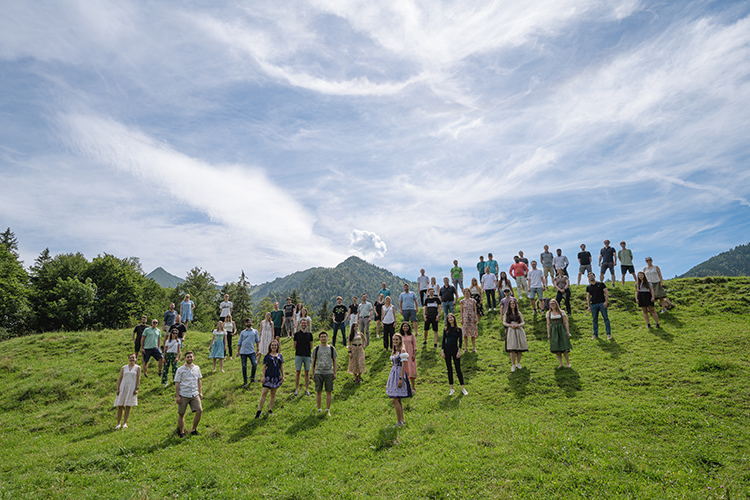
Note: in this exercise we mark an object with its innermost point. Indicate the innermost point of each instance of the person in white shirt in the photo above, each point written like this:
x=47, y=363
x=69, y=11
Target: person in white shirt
x=188, y=392
x=560, y=262
x=489, y=283
x=423, y=282
x=225, y=308
x=537, y=284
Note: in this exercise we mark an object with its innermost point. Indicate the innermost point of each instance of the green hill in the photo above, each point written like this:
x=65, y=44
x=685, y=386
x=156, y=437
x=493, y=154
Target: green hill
x=652, y=414
x=735, y=262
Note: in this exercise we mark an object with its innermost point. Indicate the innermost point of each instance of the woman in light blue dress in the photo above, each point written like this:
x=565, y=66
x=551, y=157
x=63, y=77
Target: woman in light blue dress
x=186, y=309
x=218, y=345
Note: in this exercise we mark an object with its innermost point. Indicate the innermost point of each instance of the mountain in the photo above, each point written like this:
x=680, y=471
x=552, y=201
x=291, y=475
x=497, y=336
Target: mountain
x=164, y=279
x=735, y=262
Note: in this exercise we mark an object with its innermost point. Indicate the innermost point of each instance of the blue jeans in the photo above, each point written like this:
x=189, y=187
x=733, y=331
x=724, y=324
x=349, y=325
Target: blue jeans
x=447, y=308
x=595, y=310
x=253, y=361
x=336, y=327
x=491, y=300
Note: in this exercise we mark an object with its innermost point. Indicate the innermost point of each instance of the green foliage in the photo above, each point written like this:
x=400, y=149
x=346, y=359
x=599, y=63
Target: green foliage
x=735, y=262
x=325, y=316
x=9, y=241
x=239, y=295
x=46, y=278
x=14, y=293
x=72, y=307
x=119, y=289
x=202, y=289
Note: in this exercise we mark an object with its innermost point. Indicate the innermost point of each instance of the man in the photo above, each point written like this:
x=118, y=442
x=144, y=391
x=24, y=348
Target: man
x=179, y=328
x=385, y=291
x=547, y=260
x=607, y=260
x=489, y=283
x=137, y=334
x=188, y=388
x=324, y=370
x=560, y=262
x=522, y=258
x=364, y=311
x=170, y=315
x=537, y=285
x=492, y=264
x=457, y=275
x=626, y=262
x=225, y=308
x=340, y=316
x=431, y=313
x=407, y=302
x=303, y=344
x=480, y=266
x=448, y=299
x=289, y=317
x=247, y=345
x=277, y=316
x=518, y=271
x=584, y=262
x=423, y=283
x=150, y=346
x=597, y=298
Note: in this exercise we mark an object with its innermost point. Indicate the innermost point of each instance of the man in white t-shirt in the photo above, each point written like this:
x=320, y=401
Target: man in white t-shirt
x=225, y=308
x=537, y=284
x=489, y=283
x=188, y=392
x=423, y=282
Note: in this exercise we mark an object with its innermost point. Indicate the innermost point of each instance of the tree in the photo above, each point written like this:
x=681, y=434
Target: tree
x=241, y=299
x=325, y=316
x=202, y=289
x=45, y=284
x=14, y=293
x=9, y=241
x=265, y=306
x=294, y=297
x=73, y=306
x=119, y=289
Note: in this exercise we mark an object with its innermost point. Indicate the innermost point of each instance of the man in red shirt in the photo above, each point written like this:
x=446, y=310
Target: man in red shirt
x=518, y=272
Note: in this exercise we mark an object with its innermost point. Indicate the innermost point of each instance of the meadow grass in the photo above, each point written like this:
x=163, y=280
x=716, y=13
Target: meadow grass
x=650, y=414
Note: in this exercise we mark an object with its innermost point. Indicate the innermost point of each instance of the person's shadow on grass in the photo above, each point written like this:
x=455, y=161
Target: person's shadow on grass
x=309, y=422
x=518, y=381
x=348, y=390
x=611, y=346
x=247, y=429
x=568, y=380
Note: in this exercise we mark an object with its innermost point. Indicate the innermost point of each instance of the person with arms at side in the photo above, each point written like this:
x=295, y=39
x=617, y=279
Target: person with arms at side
x=188, y=388
x=505, y=301
x=230, y=327
x=150, y=346
x=537, y=284
x=489, y=283
x=170, y=317
x=137, y=334
x=127, y=390
x=447, y=298
x=378, y=314
x=546, y=259
x=423, y=283
x=515, y=335
x=247, y=346
x=356, y=355
x=644, y=296
x=272, y=377
x=607, y=260
x=297, y=315
x=502, y=283
x=364, y=311
x=180, y=328
x=653, y=274
x=398, y=387
x=558, y=333
x=597, y=299
x=389, y=323
x=266, y=334
x=562, y=285
x=431, y=311
x=522, y=258
x=186, y=310
x=435, y=286
x=626, y=261
x=407, y=302
x=172, y=355
x=303, y=344
x=353, y=311
x=218, y=347
x=306, y=316
x=457, y=276
x=476, y=294
x=560, y=262
x=225, y=308
x=480, y=266
x=410, y=343
x=451, y=352
x=492, y=264
x=278, y=320
x=584, y=262
x=324, y=370
x=288, y=323
x=385, y=291
x=518, y=271
x=340, y=316
x=469, y=320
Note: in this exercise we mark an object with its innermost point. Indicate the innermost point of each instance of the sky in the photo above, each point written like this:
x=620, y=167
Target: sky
x=270, y=137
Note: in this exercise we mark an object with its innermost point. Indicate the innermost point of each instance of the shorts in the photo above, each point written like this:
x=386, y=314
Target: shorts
x=537, y=292
x=151, y=353
x=222, y=318
x=430, y=321
x=138, y=345
x=627, y=269
x=409, y=314
x=584, y=267
x=608, y=265
x=321, y=378
x=277, y=331
x=549, y=270
x=300, y=360
x=194, y=403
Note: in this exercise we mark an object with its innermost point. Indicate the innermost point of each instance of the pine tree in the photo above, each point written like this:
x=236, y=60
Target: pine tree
x=9, y=241
x=324, y=315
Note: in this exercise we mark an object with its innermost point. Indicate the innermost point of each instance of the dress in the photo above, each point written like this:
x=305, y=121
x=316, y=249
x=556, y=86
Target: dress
x=515, y=339
x=273, y=370
x=357, y=359
x=186, y=310
x=469, y=317
x=217, y=346
x=266, y=336
x=392, y=390
x=410, y=343
x=127, y=386
x=558, y=335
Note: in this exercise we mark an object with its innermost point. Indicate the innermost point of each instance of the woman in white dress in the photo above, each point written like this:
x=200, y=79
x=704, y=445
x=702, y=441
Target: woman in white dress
x=266, y=335
x=127, y=390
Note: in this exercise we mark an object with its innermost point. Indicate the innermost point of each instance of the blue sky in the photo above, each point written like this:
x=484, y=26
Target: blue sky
x=271, y=137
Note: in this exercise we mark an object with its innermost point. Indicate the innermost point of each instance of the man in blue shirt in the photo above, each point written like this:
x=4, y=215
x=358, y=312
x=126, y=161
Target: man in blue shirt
x=492, y=264
x=247, y=345
x=407, y=302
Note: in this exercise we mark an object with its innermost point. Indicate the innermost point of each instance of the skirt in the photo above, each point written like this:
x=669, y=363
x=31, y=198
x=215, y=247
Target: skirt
x=644, y=299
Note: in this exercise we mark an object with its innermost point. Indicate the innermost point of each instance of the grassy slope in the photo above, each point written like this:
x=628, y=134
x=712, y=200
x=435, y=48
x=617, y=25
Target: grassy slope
x=652, y=414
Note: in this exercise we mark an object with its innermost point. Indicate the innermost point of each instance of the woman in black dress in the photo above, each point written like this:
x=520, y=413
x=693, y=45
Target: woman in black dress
x=644, y=295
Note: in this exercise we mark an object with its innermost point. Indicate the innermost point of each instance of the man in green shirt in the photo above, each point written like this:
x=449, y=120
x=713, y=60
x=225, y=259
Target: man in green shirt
x=277, y=316
x=324, y=370
x=457, y=275
x=150, y=346
x=626, y=261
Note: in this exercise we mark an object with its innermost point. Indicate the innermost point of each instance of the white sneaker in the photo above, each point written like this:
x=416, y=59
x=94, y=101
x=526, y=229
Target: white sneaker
x=307, y=393
x=328, y=413
x=518, y=365
x=451, y=392
x=464, y=392
x=124, y=426
x=296, y=392
x=118, y=427
x=513, y=368
x=319, y=410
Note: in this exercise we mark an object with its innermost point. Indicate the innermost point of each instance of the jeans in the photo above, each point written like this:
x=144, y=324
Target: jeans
x=364, y=327
x=447, y=308
x=595, y=310
x=388, y=331
x=336, y=327
x=450, y=355
x=491, y=301
x=253, y=362
x=229, y=343
x=566, y=296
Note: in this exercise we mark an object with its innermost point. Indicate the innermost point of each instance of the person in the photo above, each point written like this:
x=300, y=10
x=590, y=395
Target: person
x=434, y=285
x=560, y=262
x=457, y=276
x=489, y=283
x=518, y=271
x=353, y=308
x=480, y=266
x=505, y=301
x=278, y=320
x=423, y=283
x=410, y=343
x=288, y=323
x=562, y=285
x=515, y=335
x=297, y=315
x=230, y=327
x=607, y=260
x=504, y=283
x=644, y=296
x=267, y=334
x=303, y=344
x=653, y=274
x=469, y=320
x=356, y=354
x=431, y=312
x=546, y=259
x=172, y=355
x=180, y=328
x=150, y=346
x=384, y=290
x=451, y=352
x=137, y=334
x=170, y=317
x=271, y=378
x=247, y=346
x=364, y=311
x=407, y=302
x=324, y=371
x=597, y=299
x=306, y=316
x=626, y=261
x=522, y=258
x=340, y=315
x=127, y=390
x=225, y=308
x=584, y=262
x=397, y=386
x=389, y=323
x=378, y=315
x=476, y=294
x=558, y=333
x=492, y=264
x=537, y=285
x=218, y=347
x=186, y=309
x=188, y=388
x=448, y=295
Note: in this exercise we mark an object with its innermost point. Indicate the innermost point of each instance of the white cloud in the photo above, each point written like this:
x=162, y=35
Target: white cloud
x=367, y=245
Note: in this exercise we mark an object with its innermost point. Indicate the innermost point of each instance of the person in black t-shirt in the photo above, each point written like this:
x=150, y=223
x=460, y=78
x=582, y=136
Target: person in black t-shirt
x=447, y=299
x=288, y=323
x=584, y=261
x=137, y=334
x=353, y=313
x=607, y=260
x=179, y=328
x=597, y=298
x=340, y=315
x=303, y=344
x=431, y=314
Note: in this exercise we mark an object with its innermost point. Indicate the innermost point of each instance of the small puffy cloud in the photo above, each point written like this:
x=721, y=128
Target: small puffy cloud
x=367, y=245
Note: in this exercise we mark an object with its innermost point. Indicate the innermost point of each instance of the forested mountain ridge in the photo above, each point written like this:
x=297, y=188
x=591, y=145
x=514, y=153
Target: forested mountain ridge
x=735, y=262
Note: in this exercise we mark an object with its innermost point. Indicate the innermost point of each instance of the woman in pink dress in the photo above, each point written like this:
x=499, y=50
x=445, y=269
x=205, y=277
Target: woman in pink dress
x=410, y=343
x=469, y=320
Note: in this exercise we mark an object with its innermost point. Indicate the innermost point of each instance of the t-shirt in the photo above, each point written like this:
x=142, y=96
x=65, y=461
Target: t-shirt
x=188, y=377
x=172, y=346
x=560, y=261
x=489, y=281
x=408, y=300
x=152, y=338
x=389, y=315
x=288, y=310
x=561, y=281
x=518, y=269
x=170, y=317
x=456, y=273
x=536, y=278
x=339, y=313
x=278, y=318
x=504, y=304
x=353, y=309
x=597, y=292
x=423, y=282
x=431, y=307
x=625, y=256
x=324, y=356
x=546, y=258
x=385, y=292
x=180, y=328
x=226, y=308
x=480, y=266
x=303, y=340
x=584, y=258
x=138, y=330
x=447, y=293
x=524, y=260
x=492, y=264
x=364, y=309
x=608, y=254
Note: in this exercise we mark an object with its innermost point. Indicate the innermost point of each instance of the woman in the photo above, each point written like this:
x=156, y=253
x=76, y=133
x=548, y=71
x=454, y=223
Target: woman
x=397, y=387
x=378, y=314
x=297, y=315
x=357, y=345
x=266, y=334
x=653, y=275
x=230, y=327
x=273, y=376
x=127, y=390
x=389, y=323
x=469, y=320
x=562, y=285
x=476, y=294
x=410, y=343
x=172, y=354
x=186, y=310
x=558, y=332
x=353, y=315
x=435, y=286
x=515, y=336
x=218, y=345
x=504, y=283
x=644, y=295
x=451, y=352
x=305, y=315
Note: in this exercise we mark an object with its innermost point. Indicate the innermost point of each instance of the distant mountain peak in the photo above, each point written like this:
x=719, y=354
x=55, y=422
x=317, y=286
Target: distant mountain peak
x=164, y=279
